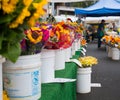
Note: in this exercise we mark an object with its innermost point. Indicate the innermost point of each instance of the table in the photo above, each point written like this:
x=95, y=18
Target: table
x=61, y=91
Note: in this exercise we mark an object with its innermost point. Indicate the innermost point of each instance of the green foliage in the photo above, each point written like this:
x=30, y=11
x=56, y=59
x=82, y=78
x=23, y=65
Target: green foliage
x=13, y=22
x=11, y=51
x=10, y=43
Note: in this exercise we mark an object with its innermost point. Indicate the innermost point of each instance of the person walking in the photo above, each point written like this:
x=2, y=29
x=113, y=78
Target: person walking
x=100, y=32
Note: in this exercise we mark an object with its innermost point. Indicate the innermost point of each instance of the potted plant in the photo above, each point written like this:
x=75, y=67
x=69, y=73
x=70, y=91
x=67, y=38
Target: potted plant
x=26, y=67
x=54, y=50
x=113, y=45
x=16, y=17
x=84, y=73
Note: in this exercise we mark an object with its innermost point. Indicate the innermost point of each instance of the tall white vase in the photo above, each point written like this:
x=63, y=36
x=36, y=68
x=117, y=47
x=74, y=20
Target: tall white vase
x=48, y=64
x=59, y=59
x=1, y=81
x=78, y=43
x=109, y=52
x=74, y=47
x=68, y=53
x=22, y=78
x=84, y=80
x=115, y=54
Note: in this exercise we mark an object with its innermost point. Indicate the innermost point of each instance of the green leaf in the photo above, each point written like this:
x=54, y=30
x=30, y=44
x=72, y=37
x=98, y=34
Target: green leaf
x=13, y=52
x=5, y=19
x=10, y=35
x=19, y=34
x=14, y=35
x=1, y=40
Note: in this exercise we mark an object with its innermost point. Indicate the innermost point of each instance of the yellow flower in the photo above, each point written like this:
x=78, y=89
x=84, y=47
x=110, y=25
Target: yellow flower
x=27, y=2
x=25, y=13
x=88, y=61
x=5, y=97
x=39, y=12
x=34, y=35
x=58, y=34
x=8, y=6
x=35, y=28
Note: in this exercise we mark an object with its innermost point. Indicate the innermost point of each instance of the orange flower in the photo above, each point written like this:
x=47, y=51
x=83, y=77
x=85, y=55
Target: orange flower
x=83, y=42
x=51, y=33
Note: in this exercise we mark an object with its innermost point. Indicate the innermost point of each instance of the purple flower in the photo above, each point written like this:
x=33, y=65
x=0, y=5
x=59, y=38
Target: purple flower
x=45, y=35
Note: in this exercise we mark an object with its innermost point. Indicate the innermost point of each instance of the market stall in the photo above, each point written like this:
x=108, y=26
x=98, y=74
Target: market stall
x=101, y=8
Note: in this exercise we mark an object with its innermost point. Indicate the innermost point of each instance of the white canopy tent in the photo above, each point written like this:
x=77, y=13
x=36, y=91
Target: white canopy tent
x=90, y=20
x=108, y=19
x=64, y=17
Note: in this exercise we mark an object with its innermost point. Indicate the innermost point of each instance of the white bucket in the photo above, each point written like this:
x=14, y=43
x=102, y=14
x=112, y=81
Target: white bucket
x=59, y=59
x=1, y=81
x=107, y=47
x=68, y=53
x=115, y=54
x=22, y=79
x=48, y=64
x=74, y=47
x=84, y=80
x=109, y=52
x=78, y=44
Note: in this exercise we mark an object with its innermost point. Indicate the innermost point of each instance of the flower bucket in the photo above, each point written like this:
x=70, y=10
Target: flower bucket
x=84, y=80
x=22, y=79
x=109, y=52
x=78, y=44
x=115, y=54
x=48, y=64
x=59, y=59
x=107, y=47
x=1, y=81
x=68, y=53
x=75, y=46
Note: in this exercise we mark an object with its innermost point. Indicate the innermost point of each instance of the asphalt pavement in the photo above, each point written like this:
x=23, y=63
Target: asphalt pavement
x=106, y=73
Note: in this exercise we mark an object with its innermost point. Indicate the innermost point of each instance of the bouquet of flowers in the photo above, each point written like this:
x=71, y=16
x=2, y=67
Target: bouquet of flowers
x=113, y=41
x=78, y=29
x=34, y=40
x=59, y=37
x=15, y=16
x=88, y=61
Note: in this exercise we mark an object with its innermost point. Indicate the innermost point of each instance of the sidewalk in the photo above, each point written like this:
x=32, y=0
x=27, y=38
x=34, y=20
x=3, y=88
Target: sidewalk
x=106, y=72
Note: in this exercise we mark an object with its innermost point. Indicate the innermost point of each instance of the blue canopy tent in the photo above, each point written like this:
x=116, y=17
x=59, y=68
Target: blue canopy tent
x=101, y=8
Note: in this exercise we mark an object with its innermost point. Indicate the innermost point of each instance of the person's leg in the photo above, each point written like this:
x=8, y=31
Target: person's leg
x=87, y=38
x=99, y=42
x=93, y=36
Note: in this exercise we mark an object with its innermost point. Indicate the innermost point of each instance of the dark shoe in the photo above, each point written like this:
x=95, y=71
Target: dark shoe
x=99, y=47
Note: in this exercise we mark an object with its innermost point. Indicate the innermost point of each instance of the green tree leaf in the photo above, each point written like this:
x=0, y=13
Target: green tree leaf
x=1, y=39
x=13, y=52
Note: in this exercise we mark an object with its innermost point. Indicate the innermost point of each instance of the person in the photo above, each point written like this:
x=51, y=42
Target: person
x=114, y=27
x=78, y=21
x=93, y=32
x=100, y=32
x=50, y=19
x=88, y=33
